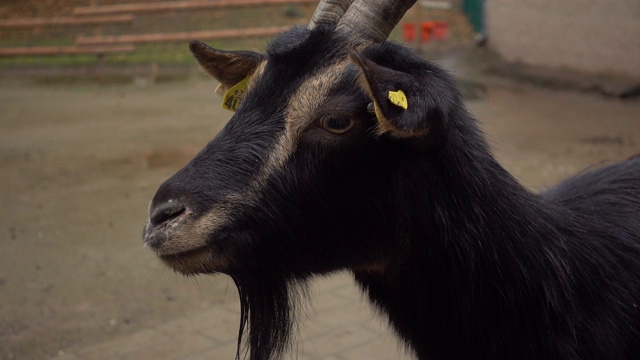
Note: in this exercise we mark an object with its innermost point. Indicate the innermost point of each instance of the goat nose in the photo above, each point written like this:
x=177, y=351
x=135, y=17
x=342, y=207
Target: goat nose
x=166, y=212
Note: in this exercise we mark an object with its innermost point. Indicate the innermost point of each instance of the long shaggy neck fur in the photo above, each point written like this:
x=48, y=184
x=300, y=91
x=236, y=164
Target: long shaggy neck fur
x=483, y=262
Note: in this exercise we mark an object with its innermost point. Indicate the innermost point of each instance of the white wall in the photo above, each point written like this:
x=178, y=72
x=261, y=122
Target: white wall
x=597, y=36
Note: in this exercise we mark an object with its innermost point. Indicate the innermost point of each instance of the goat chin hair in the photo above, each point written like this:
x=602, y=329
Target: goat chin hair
x=268, y=306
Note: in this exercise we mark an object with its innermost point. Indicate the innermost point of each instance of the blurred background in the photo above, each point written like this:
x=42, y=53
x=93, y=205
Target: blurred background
x=100, y=101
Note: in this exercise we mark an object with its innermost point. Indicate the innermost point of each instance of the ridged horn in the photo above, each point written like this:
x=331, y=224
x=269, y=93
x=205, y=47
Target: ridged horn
x=329, y=12
x=373, y=20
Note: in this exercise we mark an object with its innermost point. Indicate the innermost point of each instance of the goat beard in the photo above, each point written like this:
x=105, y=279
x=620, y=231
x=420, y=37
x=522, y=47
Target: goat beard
x=269, y=302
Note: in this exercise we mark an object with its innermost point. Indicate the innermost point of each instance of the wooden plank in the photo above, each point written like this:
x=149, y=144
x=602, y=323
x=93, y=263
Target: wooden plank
x=437, y=4
x=182, y=36
x=62, y=21
x=65, y=50
x=179, y=5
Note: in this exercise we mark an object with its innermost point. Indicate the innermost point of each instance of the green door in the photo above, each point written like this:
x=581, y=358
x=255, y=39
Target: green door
x=474, y=9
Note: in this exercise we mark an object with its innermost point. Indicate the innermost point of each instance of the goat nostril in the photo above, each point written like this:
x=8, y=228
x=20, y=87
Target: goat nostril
x=166, y=212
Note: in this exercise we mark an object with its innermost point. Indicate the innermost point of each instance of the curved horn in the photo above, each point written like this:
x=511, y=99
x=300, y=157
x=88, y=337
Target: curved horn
x=329, y=12
x=374, y=20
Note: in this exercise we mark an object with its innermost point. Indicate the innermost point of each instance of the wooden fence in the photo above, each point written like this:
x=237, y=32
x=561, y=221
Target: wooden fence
x=124, y=13
x=179, y=5
x=178, y=36
x=66, y=50
x=62, y=21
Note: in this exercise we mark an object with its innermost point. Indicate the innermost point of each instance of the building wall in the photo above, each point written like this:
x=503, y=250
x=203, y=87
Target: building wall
x=597, y=36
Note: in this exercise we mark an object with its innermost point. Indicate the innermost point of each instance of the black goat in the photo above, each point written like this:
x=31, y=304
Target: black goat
x=350, y=152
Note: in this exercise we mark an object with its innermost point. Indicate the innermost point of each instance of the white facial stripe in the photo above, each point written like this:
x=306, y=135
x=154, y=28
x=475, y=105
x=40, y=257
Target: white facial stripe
x=301, y=110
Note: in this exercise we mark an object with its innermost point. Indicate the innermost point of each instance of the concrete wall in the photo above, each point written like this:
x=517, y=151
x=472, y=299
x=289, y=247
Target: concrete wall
x=596, y=36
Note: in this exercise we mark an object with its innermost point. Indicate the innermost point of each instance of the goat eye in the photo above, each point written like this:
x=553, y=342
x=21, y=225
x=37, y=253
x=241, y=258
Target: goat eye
x=337, y=125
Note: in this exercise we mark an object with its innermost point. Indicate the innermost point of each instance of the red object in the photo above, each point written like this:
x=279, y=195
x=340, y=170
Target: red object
x=429, y=30
x=425, y=30
x=408, y=31
x=436, y=30
x=440, y=30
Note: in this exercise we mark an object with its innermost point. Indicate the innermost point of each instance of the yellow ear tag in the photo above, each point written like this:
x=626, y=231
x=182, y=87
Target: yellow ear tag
x=233, y=97
x=398, y=98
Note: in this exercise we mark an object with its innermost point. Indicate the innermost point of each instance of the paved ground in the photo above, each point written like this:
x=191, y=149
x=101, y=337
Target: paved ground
x=79, y=164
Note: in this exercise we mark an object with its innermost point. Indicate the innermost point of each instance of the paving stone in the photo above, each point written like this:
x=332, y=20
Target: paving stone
x=179, y=347
x=221, y=326
x=385, y=348
x=335, y=341
x=116, y=348
x=65, y=356
x=225, y=352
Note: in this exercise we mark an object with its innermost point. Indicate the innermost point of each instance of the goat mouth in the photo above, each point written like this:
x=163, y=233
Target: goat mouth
x=200, y=260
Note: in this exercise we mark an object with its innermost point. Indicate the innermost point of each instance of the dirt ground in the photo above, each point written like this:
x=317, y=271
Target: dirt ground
x=79, y=164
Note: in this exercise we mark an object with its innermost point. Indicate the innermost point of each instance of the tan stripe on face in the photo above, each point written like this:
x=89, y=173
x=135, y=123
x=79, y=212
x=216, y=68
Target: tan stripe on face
x=301, y=110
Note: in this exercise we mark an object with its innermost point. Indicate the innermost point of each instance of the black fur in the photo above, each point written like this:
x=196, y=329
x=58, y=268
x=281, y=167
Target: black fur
x=465, y=262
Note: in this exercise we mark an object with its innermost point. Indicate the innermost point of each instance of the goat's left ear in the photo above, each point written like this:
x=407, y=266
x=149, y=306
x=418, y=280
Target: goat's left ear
x=228, y=67
x=406, y=104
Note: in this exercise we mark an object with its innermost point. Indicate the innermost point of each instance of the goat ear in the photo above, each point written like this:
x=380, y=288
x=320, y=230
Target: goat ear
x=398, y=98
x=228, y=67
